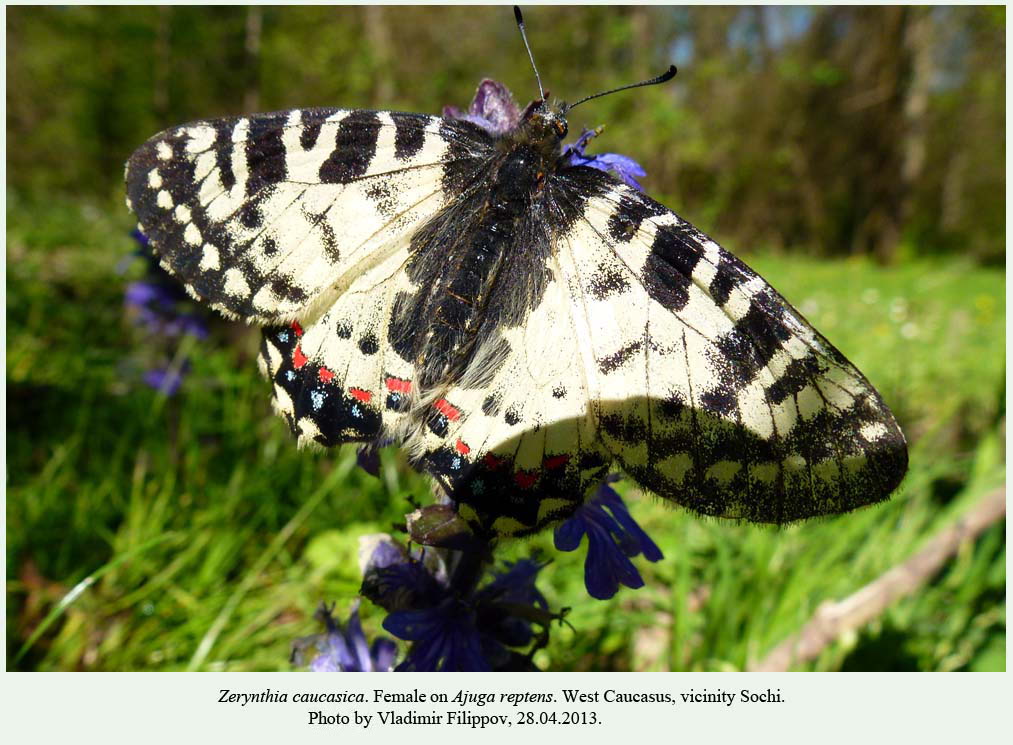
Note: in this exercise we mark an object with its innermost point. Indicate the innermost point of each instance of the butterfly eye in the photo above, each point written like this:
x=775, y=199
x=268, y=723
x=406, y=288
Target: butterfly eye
x=561, y=129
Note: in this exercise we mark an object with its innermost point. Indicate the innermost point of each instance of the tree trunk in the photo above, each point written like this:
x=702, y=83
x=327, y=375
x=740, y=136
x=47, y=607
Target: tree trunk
x=251, y=49
x=918, y=43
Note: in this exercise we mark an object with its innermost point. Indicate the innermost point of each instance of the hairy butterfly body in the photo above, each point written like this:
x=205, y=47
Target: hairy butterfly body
x=518, y=323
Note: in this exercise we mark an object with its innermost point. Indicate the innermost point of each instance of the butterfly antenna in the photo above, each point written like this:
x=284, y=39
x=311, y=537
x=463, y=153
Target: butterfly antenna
x=524, y=36
x=663, y=78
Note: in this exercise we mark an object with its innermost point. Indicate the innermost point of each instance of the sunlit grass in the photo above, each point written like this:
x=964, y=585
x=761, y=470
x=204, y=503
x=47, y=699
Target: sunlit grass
x=211, y=539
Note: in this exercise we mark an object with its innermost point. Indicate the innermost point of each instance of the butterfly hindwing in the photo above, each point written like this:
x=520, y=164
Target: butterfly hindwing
x=519, y=447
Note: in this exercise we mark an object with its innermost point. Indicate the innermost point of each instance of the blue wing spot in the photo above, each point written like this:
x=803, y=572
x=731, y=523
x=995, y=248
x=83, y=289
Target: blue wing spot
x=290, y=374
x=318, y=399
x=356, y=412
x=455, y=463
x=283, y=336
x=477, y=487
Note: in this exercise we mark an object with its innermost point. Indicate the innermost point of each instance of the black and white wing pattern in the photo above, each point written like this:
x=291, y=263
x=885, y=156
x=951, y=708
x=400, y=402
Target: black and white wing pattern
x=654, y=348
x=268, y=218
x=306, y=216
x=516, y=323
x=706, y=385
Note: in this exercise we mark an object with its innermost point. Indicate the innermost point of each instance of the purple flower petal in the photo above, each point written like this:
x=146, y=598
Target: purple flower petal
x=445, y=639
x=140, y=237
x=613, y=536
x=493, y=108
x=396, y=581
x=569, y=535
x=344, y=649
x=167, y=380
x=140, y=294
x=625, y=168
x=383, y=652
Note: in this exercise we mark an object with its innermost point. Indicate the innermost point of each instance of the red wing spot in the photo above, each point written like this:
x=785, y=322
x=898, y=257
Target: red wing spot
x=399, y=386
x=492, y=461
x=325, y=375
x=298, y=358
x=556, y=461
x=361, y=395
x=297, y=328
x=462, y=447
x=526, y=479
x=447, y=409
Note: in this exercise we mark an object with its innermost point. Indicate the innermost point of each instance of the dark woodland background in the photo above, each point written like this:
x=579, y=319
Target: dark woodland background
x=869, y=130
x=855, y=156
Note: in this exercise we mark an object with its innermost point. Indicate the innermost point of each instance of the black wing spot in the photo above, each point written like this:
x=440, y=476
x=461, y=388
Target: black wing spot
x=795, y=377
x=265, y=152
x=608, y=280
x=619, y=358
x=369, y=345
x=223, y=151
x=668, y=270
x=312, y=122
x=354, y=148
x=383, y=198
x=250, y=215
x=753, y=341
x=283, y=288
x=720, y=401
x=625, y=221
x=673, y=405
x=724, y=281
x=409, y=134
x=490, y=407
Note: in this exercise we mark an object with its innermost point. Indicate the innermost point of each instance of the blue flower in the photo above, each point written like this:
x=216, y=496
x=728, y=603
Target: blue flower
x=625, y=168
x=432, y=602
x=344, y=649
x=423, y=608
x=157, y=307
x=142, y=239
x=511, y=592
x=446, y=638
x=167, y=379
x=396, y=581
x=612, y=538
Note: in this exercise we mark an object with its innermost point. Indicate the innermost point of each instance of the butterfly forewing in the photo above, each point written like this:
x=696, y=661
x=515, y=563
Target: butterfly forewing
x=708, y=387
x=268, y=217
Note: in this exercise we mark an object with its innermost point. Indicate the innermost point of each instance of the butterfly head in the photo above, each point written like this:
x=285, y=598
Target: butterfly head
x=543, y=127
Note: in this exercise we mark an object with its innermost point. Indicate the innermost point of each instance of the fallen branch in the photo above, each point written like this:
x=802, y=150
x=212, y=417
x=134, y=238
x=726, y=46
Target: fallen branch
x=833, y=619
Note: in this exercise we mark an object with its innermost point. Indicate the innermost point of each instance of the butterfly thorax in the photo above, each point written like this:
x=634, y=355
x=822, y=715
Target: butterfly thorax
x=481, y=264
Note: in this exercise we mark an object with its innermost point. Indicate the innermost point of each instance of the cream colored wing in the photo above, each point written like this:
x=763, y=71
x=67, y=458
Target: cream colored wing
x=269, y=217
x=706, y=385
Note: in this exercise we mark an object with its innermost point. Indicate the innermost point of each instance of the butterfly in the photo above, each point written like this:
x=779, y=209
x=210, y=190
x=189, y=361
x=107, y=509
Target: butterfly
x=519, y=323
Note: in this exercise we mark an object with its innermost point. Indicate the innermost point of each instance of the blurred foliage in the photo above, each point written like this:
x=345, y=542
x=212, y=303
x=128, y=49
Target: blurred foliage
x=831, y=130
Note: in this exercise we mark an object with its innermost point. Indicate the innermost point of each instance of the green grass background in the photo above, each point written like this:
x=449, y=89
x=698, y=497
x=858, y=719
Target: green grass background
x=190, y=533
